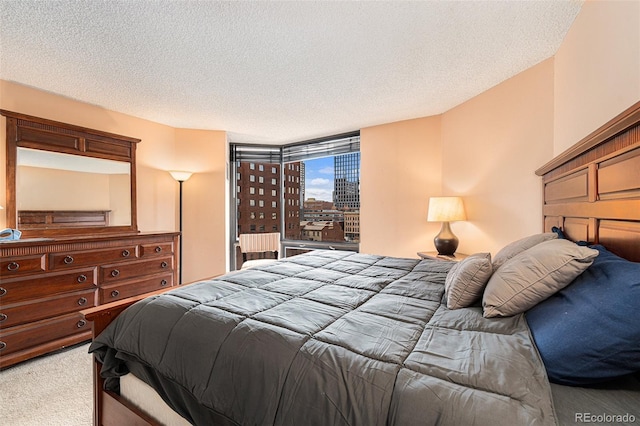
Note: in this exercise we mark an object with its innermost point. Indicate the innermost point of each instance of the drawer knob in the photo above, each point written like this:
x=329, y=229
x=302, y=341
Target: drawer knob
x=2, y=345
x=81, y=323
x=82, y=301
x=82, y=278
x=163, y=283
x=115, y=293
x=3, y=317
x=164, y=265
x=115, y=273
x=3, y=291
x=158, y=249
x=125, y=253
x=68, y=260
x=13, y=266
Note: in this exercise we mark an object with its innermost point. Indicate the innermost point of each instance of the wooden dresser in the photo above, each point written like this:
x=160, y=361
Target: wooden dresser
x=45, y=282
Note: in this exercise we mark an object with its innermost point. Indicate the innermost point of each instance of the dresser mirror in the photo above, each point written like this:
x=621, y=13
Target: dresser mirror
x=93, y=187
x=68, y=180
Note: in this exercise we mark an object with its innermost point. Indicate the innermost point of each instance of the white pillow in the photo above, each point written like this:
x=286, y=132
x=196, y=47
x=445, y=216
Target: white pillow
x=466, y=280
x=518, y=246
x=533, y=275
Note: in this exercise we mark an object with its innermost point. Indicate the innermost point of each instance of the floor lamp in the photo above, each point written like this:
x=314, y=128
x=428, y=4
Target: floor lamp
x=180, y=177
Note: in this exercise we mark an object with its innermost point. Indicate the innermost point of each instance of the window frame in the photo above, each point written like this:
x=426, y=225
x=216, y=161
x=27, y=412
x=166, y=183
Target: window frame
x=284, y=155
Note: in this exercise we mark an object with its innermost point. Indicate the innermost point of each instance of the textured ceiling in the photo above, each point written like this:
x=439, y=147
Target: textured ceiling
x=275, y=72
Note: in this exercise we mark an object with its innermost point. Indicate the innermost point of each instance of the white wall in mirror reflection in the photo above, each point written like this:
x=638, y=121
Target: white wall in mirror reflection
x=55, y=181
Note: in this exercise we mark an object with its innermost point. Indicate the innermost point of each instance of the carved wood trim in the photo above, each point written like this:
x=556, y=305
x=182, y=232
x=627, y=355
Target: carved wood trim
x=27, y=247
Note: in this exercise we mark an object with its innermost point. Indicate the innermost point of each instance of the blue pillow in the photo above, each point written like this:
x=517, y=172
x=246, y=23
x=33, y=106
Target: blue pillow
x=589, y=332
x=560, y=233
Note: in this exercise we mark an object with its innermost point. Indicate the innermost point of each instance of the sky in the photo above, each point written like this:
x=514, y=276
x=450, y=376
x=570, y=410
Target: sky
x=319, y=175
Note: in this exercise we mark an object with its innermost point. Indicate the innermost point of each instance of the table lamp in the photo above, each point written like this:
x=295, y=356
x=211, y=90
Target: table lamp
x=445, y=210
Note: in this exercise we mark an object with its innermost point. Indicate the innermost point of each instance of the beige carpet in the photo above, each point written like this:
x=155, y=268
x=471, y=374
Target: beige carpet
x=50, y=390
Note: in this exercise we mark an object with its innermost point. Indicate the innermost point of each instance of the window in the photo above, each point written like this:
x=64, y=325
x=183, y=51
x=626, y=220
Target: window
x=330, y=189
x=309, y=190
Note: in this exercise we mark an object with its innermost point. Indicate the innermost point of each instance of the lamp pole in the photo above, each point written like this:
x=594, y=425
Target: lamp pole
x=181, y=177
x=180, y=250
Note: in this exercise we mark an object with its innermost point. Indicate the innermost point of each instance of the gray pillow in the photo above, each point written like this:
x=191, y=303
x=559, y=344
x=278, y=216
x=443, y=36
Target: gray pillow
x=465, y=282
x=517, y=247
x=532, y=276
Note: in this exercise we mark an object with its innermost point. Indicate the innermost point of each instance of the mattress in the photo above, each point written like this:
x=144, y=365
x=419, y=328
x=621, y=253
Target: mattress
x=329, y=337
x=146, y=399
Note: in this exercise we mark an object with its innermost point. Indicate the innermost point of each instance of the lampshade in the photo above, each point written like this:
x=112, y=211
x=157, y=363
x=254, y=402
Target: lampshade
x=446, y=209
x=180, y=176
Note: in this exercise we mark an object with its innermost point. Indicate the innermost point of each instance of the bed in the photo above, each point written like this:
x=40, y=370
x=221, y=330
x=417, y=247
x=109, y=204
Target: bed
x=335, y=337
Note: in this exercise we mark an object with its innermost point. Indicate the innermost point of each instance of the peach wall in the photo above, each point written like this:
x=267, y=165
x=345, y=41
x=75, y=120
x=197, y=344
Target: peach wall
x=401, y=165
x=597, y=69
x=492, y=144
x=205, y=227
x=485, y=150
x=159, y=151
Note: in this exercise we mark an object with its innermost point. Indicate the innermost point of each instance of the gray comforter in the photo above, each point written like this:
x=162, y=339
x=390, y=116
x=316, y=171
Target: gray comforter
x=331, y=338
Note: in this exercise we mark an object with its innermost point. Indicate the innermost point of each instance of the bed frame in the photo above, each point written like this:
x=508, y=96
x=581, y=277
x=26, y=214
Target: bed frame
x=591, y=191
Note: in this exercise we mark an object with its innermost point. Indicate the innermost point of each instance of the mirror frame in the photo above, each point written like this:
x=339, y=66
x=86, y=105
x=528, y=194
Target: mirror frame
x=39, y=133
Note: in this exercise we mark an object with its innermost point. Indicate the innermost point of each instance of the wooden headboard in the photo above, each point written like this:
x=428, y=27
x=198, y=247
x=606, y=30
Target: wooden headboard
x=592, y=190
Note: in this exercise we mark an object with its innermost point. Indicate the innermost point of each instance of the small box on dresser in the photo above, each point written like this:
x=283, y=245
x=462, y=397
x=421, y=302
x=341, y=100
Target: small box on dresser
x=45, y=282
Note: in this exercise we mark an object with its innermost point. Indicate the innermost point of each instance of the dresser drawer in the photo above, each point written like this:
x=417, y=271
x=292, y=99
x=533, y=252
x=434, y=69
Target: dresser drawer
x=21, y=265
x=158, y=249
x=80, y=258
x=11, y=315
x=114, y=292
x=123, y=271
x=36, y=333
x=30, y=288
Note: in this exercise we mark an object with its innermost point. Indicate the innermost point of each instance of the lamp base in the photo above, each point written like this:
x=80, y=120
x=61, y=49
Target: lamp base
x=446, y=242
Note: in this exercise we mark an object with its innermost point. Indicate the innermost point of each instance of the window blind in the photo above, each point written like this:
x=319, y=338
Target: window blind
x=316, y=148
x=256, y=153
x=325, y=147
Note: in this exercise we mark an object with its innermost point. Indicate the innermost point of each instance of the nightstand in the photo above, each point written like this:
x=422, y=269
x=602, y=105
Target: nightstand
x=433, y=255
